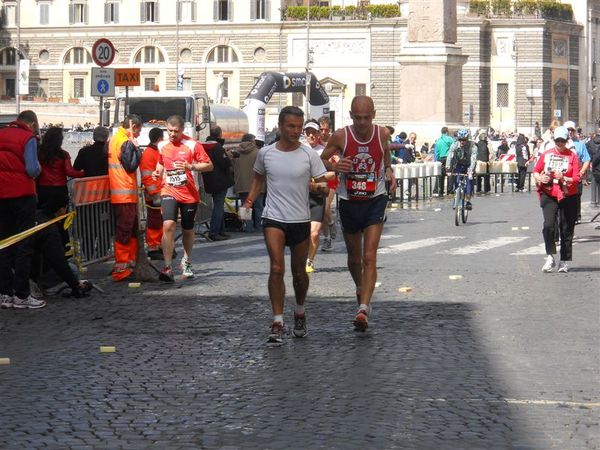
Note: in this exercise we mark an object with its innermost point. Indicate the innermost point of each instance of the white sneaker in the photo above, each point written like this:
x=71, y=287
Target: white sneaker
x=186, y=269
x=549, y=264
x=326, y=247
x=6, y=301
x=562, y=267
x=28, y=303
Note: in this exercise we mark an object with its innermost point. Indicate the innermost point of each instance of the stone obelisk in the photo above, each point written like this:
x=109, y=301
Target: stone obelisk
x=431, y=70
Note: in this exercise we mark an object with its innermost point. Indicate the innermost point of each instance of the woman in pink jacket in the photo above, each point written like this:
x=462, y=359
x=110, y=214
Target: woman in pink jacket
x=556, y=175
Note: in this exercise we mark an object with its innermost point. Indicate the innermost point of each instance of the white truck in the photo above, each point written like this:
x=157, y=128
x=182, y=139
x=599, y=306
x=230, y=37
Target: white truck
x=155, y=107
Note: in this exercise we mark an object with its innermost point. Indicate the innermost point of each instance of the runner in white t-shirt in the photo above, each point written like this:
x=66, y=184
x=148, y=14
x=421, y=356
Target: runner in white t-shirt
x=287, y=166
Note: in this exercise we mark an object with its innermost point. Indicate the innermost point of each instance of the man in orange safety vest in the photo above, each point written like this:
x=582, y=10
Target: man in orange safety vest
x=123, y=161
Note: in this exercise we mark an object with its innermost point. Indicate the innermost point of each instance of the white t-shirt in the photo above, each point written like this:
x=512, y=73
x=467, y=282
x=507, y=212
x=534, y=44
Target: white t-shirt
x=288, y=175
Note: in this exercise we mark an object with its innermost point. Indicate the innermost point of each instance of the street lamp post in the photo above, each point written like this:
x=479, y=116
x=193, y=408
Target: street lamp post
x=307, y=76
x=177, y=14
x=17, y=56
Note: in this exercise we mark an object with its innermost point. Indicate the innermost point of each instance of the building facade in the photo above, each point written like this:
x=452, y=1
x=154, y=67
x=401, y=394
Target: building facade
x=520, y=69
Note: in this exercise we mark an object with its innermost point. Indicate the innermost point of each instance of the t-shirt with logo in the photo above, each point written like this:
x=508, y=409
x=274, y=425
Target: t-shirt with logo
x=179, y=183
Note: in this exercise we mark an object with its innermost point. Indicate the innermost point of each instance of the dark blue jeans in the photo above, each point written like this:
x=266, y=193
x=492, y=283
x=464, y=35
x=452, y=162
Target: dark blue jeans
x=217, y=224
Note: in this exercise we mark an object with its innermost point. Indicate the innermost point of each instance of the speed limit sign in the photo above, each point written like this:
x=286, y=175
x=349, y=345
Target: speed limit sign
x=103, y=52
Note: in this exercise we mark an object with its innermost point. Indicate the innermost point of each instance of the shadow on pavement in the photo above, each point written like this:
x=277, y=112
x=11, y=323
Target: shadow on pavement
x=195, y=372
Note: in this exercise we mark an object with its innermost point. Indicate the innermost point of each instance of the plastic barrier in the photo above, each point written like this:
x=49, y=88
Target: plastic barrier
x=419, y=176
x=93, y=229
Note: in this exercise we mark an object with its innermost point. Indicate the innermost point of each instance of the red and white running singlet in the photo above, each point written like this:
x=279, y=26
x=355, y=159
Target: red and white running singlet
x=366, y=180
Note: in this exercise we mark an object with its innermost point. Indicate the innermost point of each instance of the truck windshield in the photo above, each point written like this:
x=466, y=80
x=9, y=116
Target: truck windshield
x=157, y=109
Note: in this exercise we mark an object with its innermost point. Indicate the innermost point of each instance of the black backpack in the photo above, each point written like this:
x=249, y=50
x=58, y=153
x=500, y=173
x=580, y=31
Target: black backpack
x=462, y=155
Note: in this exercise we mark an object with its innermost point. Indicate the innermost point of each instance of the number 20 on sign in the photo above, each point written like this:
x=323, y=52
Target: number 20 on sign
x=103, y=52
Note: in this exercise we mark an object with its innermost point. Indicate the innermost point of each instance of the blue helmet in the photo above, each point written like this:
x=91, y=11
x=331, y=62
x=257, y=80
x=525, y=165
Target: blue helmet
x=463, y=133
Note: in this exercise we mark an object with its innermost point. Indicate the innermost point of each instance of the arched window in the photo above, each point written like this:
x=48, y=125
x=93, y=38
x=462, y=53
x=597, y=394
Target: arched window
x=8, y=56
x=222, y=54
x=78, y=55
x=149, y=55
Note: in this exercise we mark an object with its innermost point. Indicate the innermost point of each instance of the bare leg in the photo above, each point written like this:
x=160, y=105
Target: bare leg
x=315, y=231
x=362, y=260
x=299, y=276
x=354, y=248
x=188, y=243
x=372, y=234
x=168, y=241
x=275, y=241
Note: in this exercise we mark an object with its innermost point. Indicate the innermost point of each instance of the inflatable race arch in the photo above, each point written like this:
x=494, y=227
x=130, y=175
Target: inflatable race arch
x=269, y=83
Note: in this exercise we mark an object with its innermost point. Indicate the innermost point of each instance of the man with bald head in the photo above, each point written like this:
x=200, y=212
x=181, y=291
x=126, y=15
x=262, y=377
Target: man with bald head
x=364, y=167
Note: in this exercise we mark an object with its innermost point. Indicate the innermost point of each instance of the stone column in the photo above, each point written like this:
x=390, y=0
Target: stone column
x=431, y=70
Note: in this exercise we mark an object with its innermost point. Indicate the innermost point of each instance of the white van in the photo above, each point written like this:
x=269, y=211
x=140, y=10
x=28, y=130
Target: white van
x=155, y=107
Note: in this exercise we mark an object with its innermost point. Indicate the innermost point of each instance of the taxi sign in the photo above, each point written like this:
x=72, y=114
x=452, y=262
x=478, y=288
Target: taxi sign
x=103, y=82
x=127, y=77
x=103, y=52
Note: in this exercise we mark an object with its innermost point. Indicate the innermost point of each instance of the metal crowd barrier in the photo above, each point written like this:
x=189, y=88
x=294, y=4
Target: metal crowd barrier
x=94, y=225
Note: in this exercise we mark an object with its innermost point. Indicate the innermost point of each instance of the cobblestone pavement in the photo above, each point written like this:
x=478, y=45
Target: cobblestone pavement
x=504, y=358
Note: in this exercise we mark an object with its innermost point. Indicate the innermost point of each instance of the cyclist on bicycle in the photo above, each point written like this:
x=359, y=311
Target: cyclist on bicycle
x=462, y=158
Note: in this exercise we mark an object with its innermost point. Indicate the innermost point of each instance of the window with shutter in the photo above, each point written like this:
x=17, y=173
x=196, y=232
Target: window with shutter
x=222, y=9
x=111, y=12
x=78, y=91
x=44, y=13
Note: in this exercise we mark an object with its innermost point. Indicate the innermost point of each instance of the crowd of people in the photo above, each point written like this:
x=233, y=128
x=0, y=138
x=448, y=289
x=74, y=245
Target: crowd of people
x=302, y=171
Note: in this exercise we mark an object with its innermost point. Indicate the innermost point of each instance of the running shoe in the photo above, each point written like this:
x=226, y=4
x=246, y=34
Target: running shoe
x=332, y=230
x=299, y=330
x=468, y=206
x=166, y=275
x=276, y=336
x=562, y=267
x=361, y=321
x=549, y=264
x=28, y=303
x=186, y=269
x=326, y=247
x=6, y=301
x=310, y=266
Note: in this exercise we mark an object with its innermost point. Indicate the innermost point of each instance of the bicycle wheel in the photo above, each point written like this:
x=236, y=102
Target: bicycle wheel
x=464, y=211
x=458, y=206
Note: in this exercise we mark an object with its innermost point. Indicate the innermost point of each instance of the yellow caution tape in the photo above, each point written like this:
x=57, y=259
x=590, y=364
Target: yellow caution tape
x=4, y=243
x=69, y=221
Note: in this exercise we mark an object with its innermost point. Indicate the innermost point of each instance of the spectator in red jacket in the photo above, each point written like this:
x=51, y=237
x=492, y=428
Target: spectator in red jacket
x=56, y=167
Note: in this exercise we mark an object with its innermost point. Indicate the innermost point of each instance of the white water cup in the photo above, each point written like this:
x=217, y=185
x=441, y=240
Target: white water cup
x=245, y=213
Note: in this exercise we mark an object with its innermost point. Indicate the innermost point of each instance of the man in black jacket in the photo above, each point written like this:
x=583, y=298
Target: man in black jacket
x=217, y=182
x=93, y=159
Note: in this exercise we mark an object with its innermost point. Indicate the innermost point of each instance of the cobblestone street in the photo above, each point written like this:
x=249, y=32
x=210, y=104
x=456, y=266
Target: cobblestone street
x=506, y=357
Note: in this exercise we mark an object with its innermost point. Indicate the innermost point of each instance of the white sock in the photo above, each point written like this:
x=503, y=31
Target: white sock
x=299, y=309
x=278, y=318
x=365, y=307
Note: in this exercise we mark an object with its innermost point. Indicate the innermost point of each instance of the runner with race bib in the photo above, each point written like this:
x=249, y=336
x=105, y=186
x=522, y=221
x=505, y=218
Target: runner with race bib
x=179, y=156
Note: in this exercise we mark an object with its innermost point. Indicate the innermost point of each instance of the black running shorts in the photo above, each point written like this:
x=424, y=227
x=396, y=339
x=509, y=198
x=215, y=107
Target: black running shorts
x=295, y=233
x=170, y=207
x=317, y=208
x=359, y=214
